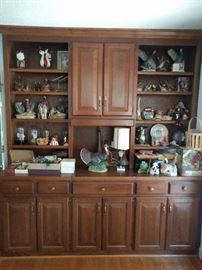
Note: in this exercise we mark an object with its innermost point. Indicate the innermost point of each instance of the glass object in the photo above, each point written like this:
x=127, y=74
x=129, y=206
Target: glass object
x=20, y=135
x=33, y=134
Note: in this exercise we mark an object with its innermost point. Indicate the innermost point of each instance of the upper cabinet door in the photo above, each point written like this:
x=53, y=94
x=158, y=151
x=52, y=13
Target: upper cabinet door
x=87, y=78
x=119, y=79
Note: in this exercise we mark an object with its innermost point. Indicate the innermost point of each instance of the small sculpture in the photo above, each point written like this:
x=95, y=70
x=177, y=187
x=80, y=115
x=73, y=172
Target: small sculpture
x=148, y=62
x=163, y=64
x=19, y=85
x=144, y=167
x=54, y=141
x=43, y=109
x=154, y=170
x=45, y=87
x=45, y=60
x=178, y=60
x=20, y=59
x=169, y=169
x=141, y=138
x=95, y=161
x=22, y=114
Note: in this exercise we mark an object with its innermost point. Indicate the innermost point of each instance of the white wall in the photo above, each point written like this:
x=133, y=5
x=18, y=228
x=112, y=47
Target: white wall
x=181, y=14
x=2, y=96
x=199, y=113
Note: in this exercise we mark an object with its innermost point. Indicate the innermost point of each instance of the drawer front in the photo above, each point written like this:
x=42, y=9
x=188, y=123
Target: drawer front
x=18, y=187
x=150, y=188
x=103, y=188
x=185, y=187
x=53, y=187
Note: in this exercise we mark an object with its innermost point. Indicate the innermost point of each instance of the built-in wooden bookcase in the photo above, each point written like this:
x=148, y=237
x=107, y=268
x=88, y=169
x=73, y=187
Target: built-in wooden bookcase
x=34, y=84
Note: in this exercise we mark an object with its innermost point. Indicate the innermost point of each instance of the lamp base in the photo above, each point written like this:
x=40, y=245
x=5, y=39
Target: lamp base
x=120, y=168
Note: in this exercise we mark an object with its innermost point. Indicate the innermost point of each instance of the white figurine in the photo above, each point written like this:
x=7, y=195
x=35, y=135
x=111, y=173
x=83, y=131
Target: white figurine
x=45, y=60
x=20, y=59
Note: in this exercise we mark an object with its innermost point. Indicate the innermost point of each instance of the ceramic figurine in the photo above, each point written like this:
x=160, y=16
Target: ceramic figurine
x=45, y=60
x=20, y=59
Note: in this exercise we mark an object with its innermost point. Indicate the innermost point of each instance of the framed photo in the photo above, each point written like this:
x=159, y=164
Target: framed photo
x=62, y=59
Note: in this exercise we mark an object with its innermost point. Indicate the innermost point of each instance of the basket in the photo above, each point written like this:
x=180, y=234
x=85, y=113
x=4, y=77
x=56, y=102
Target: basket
x=194, y=136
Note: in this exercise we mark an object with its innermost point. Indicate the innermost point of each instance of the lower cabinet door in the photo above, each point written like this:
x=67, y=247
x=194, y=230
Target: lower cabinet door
x=53, y=224
x=117, y=223
x=183, y=224
x=150, y=223
x=19, y=225
x=87, y=224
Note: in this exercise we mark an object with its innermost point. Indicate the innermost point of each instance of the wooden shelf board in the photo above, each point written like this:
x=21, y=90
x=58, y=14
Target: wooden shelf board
x=148, y=147
x=33, y=93
x=164, y=93
x=152, y=122
x=38, y=70
x=30, y=146
x=41, y=121
x=161, y=73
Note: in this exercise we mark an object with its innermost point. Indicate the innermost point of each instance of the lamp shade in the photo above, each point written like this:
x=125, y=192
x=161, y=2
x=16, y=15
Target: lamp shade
x=121, y=138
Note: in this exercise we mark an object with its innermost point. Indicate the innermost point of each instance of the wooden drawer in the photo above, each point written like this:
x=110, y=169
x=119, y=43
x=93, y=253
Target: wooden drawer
x=152, y=187
x=53, y=187
x=103, y=188
x=185, y=187
x=18, y=187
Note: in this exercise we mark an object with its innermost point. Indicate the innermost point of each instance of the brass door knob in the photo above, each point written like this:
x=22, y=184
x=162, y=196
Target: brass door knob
x=103, y=189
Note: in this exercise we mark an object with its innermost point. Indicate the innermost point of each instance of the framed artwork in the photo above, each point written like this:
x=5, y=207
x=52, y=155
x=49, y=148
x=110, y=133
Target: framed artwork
x=62, y=59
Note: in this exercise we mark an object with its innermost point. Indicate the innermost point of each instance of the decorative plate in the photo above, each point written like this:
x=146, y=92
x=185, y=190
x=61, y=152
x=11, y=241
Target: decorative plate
x=159, y=134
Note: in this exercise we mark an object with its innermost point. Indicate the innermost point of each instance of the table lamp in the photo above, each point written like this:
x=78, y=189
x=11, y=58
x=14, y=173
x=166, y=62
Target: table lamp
x=121, y=143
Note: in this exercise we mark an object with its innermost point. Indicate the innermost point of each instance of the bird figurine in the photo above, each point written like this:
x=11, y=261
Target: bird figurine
x=95, y=161
x=148, y=62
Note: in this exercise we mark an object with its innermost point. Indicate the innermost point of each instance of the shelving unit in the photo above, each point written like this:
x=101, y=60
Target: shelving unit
x=160, y=89
x=31, y=79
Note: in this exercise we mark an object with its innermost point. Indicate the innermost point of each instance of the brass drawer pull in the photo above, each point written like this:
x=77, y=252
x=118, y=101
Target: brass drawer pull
x=52, y=188
x=170, y=208
x=184, y=188
x=98, y=206
x=17, y=188
x=103, y=189
x=99, y=102
x=151, y=189
x=163, y=207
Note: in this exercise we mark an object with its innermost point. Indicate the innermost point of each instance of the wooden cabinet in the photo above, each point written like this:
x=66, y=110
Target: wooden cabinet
x=170, y=223
x=102, y=221
x=19, y=217
x=117, y=223
x=53, y=224
x=103, y=79
x=19, y=225
x=53, y=216
x=35, y=223
x=150, y=223
x=183, y=224
x=87, y=224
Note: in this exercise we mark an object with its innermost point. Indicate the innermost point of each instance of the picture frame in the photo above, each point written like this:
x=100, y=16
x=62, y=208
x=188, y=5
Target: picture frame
x=62, y=60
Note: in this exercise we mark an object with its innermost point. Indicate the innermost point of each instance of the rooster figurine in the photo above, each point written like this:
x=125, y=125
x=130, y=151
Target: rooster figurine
x=95, y=161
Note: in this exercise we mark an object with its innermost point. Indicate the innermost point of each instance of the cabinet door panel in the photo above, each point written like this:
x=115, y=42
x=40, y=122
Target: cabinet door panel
x=86, y=224
x=87, y=78
x=118, y=79
x=183, y=223
x=53, y=224
x=150, y=223
x=19, y=224
x=117, y=223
